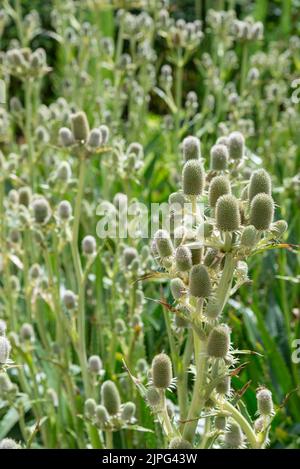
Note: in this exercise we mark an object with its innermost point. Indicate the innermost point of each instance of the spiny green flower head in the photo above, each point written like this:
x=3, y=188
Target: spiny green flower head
x=110, y=397
x=236, y=143
x=218, y=343
x=177, y=288
x=163, y=243
x=249, y=236
x=25, y=196
x=128, y=411
x=27, y=332
x=219, y=156
x=9, y=443
x=5, y=348
x=224, y=385
x=193, y=177
x=95, y=364
x=129, y=254
x=89, y=245
x=212, y=309
x=102, y=416
x=90, y=408
x=278, y=228
x=180, y=443
x=177, y=198
x=260, y=182
x=80, y=126
x=66, y=137
x=191, y=148
x=153, y=397
x=262, y=211
x=264, y=402
x=64, y=210
x=162, y=373
x=220, y=422
x=183, y=258
x=199, y=282
x=69, y=299
x=227, y=213
x=41, y=210
x=234, y=437
x=219, y=186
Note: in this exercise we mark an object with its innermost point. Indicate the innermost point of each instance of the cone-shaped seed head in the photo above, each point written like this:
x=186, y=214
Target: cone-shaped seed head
x=177, y=288
x=193, y=178
x=101, y=415
x=95, y=364
x=199, y=282
x=183, y=258
x=191, y=148
x=90, y=408
x=279, y=228
x=9, y=443
x=260, y=182
x=64, y=210
x=219, y=186
x=234, y=436
x=236, y=145
x=153, y=397
x=262, y=211
x=227, y=213
x=80, y=126
x=4, y=349
x=163, y=243
x=27, y=332
x=264, y=402
x=248, y=238
x=24, y=196
x=129, y=255
x=162, y=371
x=110, y=397
x=128, y=411
x=212, y=309
x=180, y=443
x=220, y=422
x=66, y=137
x=41, y=210
x=219, y=157
x=88, y=245
x=224, y=385
x=218, y=341
x=177, y=198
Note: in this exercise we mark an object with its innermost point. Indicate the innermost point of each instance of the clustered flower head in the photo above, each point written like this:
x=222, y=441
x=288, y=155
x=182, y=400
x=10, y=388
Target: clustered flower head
x=110, y=414
x=230, y=218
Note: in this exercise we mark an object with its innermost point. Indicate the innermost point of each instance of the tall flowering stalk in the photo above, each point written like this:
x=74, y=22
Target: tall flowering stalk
x=230, y=219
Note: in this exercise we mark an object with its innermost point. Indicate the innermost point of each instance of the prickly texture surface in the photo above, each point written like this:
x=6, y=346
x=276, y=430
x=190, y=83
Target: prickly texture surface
x=219, y=157
x=191, y=148
x=199, y=282
x=162, y=371
x=110, y=397
x=219, y=186
x=262, y=211
x=218, y=342
x=80, y=126
x=260, y=182
x=180, y=443
x=227, y=213
x=193, y=178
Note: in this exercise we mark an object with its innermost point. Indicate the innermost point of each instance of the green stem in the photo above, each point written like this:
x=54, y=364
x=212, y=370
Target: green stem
x=240, y=419
x=198, y=392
